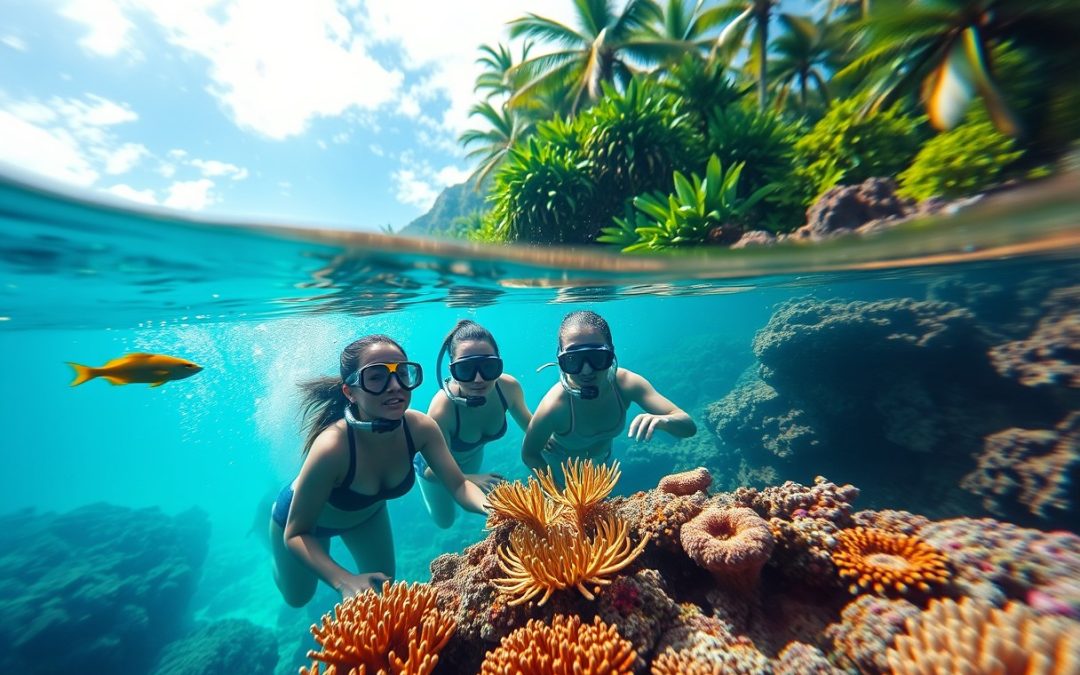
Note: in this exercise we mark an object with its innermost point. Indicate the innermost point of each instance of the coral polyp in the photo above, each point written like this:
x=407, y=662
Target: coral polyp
x=888, y=563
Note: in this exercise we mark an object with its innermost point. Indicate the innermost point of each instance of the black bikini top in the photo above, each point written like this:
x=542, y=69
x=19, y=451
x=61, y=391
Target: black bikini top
x=345, y=498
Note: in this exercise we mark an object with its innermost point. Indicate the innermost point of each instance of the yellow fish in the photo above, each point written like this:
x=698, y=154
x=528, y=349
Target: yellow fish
x=155, y=369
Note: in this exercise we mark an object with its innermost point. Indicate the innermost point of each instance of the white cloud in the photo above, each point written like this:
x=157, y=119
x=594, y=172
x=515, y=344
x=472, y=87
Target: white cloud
x=124, y=158
x=128, y=192
x=13, y=41
x=212, y=168
x=191, y=195
x=108, y=28
x=417, y=183
x=51, y=152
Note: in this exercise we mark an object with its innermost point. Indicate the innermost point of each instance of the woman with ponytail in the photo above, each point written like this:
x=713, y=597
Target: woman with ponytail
x=359, y=451
x=471, y=412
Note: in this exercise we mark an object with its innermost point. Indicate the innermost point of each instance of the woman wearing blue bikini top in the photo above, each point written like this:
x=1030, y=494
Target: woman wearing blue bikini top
x=470, y=410
x=361, y=441
x=580, y=416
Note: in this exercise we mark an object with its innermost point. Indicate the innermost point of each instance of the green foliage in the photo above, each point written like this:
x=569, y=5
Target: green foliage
x=539, y=192
x=633, y=142
x=685, y=217
x=850, y=146
x=965, y=160
x=704, y=87
x=765, y=144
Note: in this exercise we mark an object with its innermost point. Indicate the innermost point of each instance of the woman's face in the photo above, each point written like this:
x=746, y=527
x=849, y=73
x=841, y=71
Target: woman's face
x=576, y=335
x=390, y=404
x=477, y=386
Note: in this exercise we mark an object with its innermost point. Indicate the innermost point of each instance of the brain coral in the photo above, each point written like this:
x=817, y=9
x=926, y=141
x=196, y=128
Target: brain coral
x=732, y=543
x=886, y=562
x=566, y=647
x=974, y=637
x=687, y=482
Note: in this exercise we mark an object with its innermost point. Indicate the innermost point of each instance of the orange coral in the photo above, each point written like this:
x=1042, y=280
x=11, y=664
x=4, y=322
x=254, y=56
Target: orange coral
x=974, y=637
x=565, y=647
x=711, y=658
x=887, y=562
x=398, y=631
x=732, y=543
x=586, y=485
x=687, y=482
x=525, y=504
x=563, y=559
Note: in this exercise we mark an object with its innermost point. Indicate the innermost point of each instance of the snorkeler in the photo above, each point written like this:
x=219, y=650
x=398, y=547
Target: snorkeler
x=470, y=409
x=580, y=416
x=361, y=441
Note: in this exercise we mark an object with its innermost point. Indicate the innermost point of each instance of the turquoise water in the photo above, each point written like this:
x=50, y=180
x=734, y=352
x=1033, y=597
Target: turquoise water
x=262, y=308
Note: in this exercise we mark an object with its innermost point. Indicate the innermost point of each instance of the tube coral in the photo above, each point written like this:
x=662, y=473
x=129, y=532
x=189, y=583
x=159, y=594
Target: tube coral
x=398, y=631
x=687, y=482
x=527, y=505
x=586, y=486
x=566, y=647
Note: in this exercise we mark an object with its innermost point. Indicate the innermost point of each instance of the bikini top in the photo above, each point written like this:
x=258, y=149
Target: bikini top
x=345, y=498
x=458, y=445
x=574, y=441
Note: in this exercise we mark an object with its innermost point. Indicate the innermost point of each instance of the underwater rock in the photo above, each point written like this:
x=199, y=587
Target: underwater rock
x=1037, y=469
x=99, y=589
x=229, y=646
x=1051, y=354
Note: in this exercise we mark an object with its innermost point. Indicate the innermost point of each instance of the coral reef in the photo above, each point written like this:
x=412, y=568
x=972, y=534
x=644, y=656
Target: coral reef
x=1035, y=468
x=526, y=504
x=888, y=563
x=400, y=630
x=587, y=485
x=975, y=637
x=229, y=646
x=732, y=543
x=687, y=482
x=565, y=647
x=1048, y=356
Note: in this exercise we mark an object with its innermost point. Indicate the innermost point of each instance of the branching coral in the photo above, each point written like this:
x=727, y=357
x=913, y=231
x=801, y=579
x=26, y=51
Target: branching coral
x=400, y=630
x=687, y=482
x=526, y=504
x=888, y=563
x=974, y=637
x=562, y=558
x=565, y=647
x=586, y=486
x=732, y=543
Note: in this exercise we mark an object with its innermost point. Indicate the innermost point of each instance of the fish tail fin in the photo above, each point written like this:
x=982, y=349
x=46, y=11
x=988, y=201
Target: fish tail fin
x=82, y=373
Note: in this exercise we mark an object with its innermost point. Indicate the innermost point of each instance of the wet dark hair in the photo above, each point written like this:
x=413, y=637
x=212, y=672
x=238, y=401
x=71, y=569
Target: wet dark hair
x=322, y=401
x=466, y=330
x=584, y=317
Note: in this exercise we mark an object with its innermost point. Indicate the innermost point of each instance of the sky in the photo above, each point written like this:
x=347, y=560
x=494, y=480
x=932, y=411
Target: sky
x=341, y=113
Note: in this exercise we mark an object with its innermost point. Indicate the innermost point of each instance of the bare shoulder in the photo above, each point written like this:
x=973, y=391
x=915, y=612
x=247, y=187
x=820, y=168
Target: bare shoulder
x=439, y=408
x=630, y=382
x=553, y=405
x=330, y=449
x=421, y=422
x=510, y=385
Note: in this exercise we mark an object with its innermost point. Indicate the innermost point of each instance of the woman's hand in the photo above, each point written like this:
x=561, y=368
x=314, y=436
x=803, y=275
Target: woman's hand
x=485, y=481
x=358, y=583
x=643, y=426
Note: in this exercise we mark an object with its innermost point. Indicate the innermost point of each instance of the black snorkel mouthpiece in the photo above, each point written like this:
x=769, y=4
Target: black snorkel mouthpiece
x=588, y=393
x=379, y=425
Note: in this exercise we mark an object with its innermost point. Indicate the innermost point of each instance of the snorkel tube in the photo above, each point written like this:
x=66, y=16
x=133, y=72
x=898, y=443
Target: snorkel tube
x=444, y=384
x=379, y=425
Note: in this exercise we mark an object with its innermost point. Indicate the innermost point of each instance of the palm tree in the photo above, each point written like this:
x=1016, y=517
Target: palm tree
x=805, y=55
x=498, y=63
x=601, y=49
x=505, y=128
x=941, y=49
x=740, y=16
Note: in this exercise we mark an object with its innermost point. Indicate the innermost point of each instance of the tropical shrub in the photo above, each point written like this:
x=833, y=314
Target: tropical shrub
x=633, y=141
x=765, y=144
x=686, y=217
x=704, y=87
x=539, y=193
x=851, y=146
x=969, y=158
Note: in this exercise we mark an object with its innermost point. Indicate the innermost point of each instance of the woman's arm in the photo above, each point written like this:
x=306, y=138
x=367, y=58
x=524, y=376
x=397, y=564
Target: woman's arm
x=660, y=413
x=541, y=427
x=318, y=475
x=515, y=399
x=433, y=447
